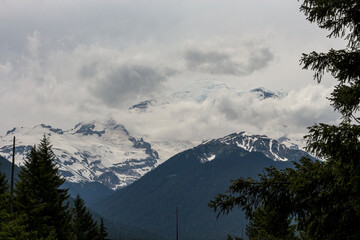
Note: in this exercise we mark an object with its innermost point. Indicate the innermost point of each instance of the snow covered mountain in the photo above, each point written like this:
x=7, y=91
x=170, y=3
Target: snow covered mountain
x=205, y=91
x=263, y=93
x=106, y=153
x=277, y=150
x=90, y=152
x=189, y=180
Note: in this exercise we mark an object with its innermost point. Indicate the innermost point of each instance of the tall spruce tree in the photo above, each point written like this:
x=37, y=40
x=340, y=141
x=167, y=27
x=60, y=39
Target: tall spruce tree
x=322, y=196
x=4, y=203
x=39, y=195
x=13, y=226
x=4, y=192
x=102, y=230
x=83, y=225
x=4, y=186
x=339, y=144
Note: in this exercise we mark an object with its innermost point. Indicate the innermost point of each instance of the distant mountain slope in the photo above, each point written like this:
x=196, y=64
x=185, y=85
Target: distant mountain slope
x=5, y=167
x=95, y=157
x=189, y=180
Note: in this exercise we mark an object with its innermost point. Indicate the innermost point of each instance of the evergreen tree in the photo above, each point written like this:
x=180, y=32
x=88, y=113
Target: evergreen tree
x=264, y=225
x=322, y=197
x=102, y=230
x=339, y=216
x=4, y=186
x=4, y=203
x=15, y=228
x=4, y=193
x=39, y=195
x=12, y=227
x=83, y=225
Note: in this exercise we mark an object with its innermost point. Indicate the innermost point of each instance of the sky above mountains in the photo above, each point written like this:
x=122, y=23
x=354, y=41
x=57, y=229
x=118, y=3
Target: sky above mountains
x=62, y=62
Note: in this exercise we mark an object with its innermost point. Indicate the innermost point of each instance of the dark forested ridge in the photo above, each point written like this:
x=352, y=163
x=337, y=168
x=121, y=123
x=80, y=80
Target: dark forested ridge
x=185, y=182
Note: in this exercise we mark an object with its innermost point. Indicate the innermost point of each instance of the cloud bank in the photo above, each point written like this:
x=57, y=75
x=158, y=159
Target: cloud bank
x=96, y=82
x=226, y=112
x=68, y=61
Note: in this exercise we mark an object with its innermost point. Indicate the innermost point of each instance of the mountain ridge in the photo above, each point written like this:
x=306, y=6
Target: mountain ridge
x=105, y=152
x=90, y=152
x=188, y=182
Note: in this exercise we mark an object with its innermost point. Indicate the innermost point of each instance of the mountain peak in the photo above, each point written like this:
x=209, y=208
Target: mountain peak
x=206, y=90
x=99, y=128
x=264, y=93
x=51, y=129
x=271, y=148
x=90, y=152
x=142, y=106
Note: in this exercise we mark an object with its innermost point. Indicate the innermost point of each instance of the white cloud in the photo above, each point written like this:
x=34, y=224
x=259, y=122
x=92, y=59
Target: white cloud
x=226, y=112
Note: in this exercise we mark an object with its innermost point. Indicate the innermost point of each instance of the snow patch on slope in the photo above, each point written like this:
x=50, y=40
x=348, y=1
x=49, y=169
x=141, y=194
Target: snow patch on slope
x=271, y=148
x=95, y=151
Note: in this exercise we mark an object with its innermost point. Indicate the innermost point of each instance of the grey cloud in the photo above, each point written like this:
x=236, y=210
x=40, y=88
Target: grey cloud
x=259, y=59
x=88, y=71
x=83, y=22
x=128, y=83
x=226, y=107
x=211, y=62
x=218, y=63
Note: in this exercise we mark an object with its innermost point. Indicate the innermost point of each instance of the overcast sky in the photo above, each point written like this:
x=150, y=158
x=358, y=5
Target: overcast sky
x=62, y=62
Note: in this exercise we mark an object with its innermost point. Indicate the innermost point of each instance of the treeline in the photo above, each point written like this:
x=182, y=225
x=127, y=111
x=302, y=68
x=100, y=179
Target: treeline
x=40, y=207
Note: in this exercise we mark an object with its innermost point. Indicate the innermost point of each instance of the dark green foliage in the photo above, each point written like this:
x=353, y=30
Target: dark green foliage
x=340, y=17
x=339, y=145
x=264, y=225
x=321, y=199
x=4, y=193
x=11, y=227
x=307, y=194
x=4, y=186
x=83, y=226
x=39, y=196
x=102, y=230
x=42, y=208
x=41, y=205
x=15, y=228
